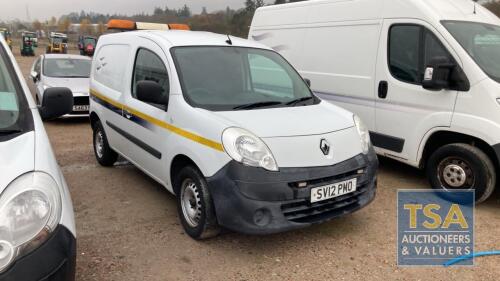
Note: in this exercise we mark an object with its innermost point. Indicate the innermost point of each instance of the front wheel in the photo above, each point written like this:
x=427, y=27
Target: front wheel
x=104, y=154
x=462, y=166
x=194, y=204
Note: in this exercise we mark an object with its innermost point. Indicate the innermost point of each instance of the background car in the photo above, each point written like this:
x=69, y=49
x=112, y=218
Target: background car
x=71, y=71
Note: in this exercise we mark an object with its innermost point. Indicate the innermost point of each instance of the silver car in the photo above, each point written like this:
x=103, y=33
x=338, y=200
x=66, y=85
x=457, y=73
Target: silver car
x=62, y=70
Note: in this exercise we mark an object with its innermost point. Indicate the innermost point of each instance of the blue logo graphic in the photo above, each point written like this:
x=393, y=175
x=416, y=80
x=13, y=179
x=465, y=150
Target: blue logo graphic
x=435, y=227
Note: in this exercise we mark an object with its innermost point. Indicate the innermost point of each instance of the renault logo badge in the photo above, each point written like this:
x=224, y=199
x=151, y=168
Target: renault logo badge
x=324, y=146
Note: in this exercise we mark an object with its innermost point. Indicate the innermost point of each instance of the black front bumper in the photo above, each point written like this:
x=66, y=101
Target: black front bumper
x=81, y=100
x=55, y=260
x=255, y=201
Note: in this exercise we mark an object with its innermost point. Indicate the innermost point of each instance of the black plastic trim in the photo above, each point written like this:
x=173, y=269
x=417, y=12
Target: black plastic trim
x=387, y=142
x=54, y=260
x=136, y=141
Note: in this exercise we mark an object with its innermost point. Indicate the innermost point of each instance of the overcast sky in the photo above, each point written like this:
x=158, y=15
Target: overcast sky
x=44, y=9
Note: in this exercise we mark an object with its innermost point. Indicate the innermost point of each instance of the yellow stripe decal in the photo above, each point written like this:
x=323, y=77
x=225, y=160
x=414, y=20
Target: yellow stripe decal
x=196, y=138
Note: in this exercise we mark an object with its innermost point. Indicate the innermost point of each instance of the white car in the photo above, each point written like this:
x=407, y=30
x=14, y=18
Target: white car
x=231, y=128
x=70, y=71
x=424, y=75
x=37, y=227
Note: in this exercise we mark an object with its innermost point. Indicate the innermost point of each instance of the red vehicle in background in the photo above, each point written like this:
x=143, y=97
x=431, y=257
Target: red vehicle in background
x=87, y=45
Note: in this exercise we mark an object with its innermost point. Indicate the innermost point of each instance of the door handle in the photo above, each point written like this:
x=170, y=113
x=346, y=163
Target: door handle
x=383, y=88
x=127, y=114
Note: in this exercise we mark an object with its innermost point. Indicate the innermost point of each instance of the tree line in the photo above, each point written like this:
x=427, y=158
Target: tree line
x=229, y=21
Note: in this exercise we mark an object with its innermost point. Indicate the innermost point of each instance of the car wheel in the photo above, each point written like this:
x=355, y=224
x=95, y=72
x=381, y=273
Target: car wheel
x=104, y=154
x=462, y=166
x=195, y=205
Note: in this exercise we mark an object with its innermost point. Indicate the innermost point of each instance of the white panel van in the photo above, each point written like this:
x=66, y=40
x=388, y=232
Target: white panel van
x=229, y=127
x=423, y=75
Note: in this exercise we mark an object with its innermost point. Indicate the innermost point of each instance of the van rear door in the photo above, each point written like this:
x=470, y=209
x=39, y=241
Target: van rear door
x=405, y=111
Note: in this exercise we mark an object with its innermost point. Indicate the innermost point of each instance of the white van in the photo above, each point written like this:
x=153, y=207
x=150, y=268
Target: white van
x=37, y=226
x=422, y=74
x=230, y=127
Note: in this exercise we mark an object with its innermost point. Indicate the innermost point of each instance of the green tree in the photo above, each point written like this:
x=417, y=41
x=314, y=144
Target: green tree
x=494, y=6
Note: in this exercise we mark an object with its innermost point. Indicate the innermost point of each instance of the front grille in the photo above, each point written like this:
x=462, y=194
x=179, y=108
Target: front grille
x=327, y=180
x=303, y=211
x=81, y=101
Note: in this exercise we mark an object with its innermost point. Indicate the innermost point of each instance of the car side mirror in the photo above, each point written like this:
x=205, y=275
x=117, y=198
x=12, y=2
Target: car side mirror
x=442, y=74
x=308, y=82
x=56, y=102
x=151, y=92
x=35, y=76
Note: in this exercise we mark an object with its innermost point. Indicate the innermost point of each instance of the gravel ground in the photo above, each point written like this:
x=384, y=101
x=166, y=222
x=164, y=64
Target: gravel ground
x=128, y=229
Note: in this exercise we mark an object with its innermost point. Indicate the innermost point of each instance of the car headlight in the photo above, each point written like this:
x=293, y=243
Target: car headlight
x=247, y=148
x=30, y=209
x=364, y=134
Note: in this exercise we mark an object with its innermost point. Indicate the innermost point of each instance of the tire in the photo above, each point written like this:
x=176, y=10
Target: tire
x=104, y=154
x=194, y=204
x=462, y=166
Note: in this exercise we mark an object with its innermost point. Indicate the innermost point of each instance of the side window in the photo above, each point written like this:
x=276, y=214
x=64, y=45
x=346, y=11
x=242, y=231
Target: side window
x=434, y=48
x=411, y=49
x=404, y=53
x=148, y=66
x=269, y=78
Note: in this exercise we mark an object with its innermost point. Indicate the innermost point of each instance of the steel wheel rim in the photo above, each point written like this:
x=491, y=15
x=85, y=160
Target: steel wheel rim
x=191, y=202
x=99, y=144
x=455, y=173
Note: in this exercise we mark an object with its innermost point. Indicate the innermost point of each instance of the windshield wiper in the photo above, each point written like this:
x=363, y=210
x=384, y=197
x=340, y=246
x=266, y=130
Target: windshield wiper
x=294, y=102
x=9, y=132
x=257, y=105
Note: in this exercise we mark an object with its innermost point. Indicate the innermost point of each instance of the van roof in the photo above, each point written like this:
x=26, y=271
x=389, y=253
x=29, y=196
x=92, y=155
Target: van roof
x=175, y=38
x=344, y=10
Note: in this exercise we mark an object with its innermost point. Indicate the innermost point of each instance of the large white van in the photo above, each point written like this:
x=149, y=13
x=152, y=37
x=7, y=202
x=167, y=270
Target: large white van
x=37, y=225
x=423, y=75
x=229, y=127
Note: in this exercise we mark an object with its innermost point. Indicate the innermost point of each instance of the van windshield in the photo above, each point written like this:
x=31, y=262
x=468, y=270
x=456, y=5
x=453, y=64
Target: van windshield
x=220, y=78
x=481, y=41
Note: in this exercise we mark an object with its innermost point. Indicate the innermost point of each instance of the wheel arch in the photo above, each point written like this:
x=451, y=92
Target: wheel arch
x=93, y=119
x=177, y=164
x=440, y=138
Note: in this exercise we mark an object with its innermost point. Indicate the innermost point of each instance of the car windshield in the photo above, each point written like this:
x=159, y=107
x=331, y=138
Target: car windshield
x=67, y=68
x=481, y=41
x=222, y=78
x=9, y=102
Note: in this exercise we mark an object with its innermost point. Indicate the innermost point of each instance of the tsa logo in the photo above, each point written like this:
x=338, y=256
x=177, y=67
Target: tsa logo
x=435, y=227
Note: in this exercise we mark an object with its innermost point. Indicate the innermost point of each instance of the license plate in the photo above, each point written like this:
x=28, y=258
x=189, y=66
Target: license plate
x=333, y=190
x=80, y=108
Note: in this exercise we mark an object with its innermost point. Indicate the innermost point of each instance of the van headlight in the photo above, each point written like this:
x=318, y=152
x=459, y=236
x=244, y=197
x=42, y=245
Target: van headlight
x=30, y=209
x=247, y=148
x=364, y=134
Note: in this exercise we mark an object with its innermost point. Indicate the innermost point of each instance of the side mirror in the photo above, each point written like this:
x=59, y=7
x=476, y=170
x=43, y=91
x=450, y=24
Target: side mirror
x=308, y=82
x=35, y=76
x=56, y=102
x=442, y=74
x=151, y=92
